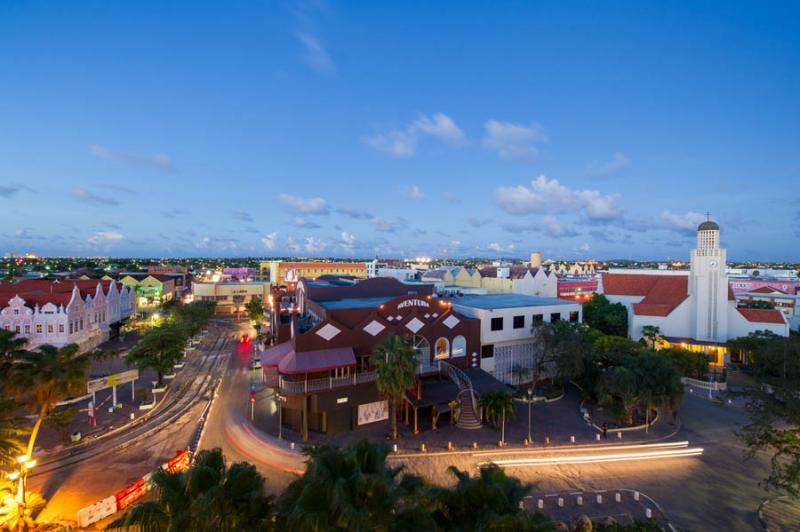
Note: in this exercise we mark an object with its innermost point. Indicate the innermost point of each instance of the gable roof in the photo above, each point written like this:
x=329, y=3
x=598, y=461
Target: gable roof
x=759, y=315
x=661, y=293
x=767, y=290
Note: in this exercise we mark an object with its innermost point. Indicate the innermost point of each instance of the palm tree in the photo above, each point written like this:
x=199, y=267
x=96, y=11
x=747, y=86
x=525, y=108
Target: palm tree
x=351, y=489
x=395, y=364
x=12, y=347
x=651, y=334
x=209, y=496
x=487, y=501
x=12, y=429
x=47, y=376
x=495, y=403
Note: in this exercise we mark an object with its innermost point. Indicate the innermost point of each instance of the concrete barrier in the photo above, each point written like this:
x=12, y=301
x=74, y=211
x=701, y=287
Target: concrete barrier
x=97, y=511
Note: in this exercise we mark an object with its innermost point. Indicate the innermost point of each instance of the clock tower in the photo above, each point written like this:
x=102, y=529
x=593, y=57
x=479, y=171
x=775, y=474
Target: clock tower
x=708, y=285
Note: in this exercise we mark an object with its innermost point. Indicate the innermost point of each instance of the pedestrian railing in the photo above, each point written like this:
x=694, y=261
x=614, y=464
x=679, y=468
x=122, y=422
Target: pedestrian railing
x=315, y=385
x=705, y=385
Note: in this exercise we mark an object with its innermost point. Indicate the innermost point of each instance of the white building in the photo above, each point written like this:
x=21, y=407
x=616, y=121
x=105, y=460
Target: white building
x=695, y=308
x=508, y=322
x=84, y=312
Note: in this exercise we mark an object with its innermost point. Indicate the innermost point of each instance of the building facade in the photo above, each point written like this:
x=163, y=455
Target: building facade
x=283, y=272
x=695, y=309
x=508, y=329
x=84, y=312
x=231, y=297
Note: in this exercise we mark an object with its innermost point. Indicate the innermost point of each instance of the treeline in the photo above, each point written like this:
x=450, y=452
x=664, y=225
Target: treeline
x=348, y=488
x=162, y=346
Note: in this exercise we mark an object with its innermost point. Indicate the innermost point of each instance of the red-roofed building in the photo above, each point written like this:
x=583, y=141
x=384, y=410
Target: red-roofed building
x=696, y=308
x=84, y=312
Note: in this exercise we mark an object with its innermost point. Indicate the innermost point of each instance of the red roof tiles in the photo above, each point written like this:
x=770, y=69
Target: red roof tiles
x=662, y=293
x=759, y=315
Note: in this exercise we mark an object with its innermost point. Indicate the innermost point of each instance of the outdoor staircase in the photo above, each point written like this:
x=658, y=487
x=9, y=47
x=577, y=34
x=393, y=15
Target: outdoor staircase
x=469, y=418
x=467, y=398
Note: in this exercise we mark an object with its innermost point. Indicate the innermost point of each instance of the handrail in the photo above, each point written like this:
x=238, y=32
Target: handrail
x=330, y=383
x=461, y=380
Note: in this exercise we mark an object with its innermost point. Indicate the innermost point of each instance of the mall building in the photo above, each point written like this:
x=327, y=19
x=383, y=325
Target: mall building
x=326, y=331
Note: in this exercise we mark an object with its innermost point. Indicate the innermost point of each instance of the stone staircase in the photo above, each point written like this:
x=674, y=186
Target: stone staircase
x=470, y=418
x=467, y=398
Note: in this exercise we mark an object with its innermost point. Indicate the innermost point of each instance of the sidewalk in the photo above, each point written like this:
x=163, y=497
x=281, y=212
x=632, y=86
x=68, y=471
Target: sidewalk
x=558, y=421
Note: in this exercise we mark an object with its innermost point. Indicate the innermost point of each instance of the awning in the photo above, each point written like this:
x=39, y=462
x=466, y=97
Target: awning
x=272, y=356
x=691, y=341
x=319, y=360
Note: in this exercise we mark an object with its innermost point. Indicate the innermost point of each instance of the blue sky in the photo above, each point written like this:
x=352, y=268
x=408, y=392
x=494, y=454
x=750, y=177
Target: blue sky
x=354, y=129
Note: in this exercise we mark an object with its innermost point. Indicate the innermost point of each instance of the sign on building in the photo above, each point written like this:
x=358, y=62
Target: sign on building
x=372, y=412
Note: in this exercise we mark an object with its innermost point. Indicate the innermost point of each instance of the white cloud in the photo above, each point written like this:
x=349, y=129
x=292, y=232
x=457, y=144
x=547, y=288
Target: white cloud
x=302, y=222
x=159, y=161
x=313, y=245
x=619, y=161
x=270, y=241
x=402, y=143
x=385, y=226
x=413, y=193
x=440, y=126
x=584, y=248
x=105, y=237
x=513, y=141
x=317, y=56
x=304, y=205
x=553, y=227
x=682, y=223
x=497, y=248
x=549, y=197
x=81, y=194
x=347, y=241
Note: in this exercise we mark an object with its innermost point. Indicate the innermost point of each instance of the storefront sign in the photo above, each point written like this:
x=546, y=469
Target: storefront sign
x=372, y=412
x=413, y=303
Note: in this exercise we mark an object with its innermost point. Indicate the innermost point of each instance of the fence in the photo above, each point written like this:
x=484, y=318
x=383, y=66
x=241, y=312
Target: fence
x=705, y=385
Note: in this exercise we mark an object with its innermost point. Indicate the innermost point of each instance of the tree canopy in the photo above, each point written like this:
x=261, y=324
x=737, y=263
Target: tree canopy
x=608, y=318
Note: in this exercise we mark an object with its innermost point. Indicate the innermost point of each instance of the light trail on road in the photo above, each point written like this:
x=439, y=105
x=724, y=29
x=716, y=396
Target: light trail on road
x=596, y=458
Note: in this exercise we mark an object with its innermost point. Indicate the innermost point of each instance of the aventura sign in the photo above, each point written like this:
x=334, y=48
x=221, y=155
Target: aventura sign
x=413, y=303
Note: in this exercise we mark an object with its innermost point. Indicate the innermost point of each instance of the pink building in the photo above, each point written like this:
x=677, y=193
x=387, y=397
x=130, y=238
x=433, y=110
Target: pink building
x=752, y=284
x=84, y=312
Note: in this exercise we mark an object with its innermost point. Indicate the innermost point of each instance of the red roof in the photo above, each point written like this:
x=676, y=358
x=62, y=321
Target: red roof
x=768, y=290
x=762, y=315
x=661, y=293
x=43, y=291
x=319, y=360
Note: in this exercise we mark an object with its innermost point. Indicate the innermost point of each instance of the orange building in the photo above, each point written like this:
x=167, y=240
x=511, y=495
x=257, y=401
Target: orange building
x=281, y=272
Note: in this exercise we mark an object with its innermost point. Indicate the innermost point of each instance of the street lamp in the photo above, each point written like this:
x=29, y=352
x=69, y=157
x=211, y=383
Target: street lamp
x=24, y=465
x=530, y=402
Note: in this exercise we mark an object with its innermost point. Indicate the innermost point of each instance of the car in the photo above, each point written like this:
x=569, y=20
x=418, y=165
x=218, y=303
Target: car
x=245, y=338
x=255, y=363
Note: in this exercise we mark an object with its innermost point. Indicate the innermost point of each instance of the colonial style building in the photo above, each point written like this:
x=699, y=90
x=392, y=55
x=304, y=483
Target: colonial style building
x=84, y=312
x=321, y=366
x=696, y=308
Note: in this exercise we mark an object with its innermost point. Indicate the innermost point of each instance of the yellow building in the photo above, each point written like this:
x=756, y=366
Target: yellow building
x=281, y=272
x=231, y=297
x=151, y=290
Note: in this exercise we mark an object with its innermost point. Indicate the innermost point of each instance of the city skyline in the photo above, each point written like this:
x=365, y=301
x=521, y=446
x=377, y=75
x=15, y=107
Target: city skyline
x=312, y=129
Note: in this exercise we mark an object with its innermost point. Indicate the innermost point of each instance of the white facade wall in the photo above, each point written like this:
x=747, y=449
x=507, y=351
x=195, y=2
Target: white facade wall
x=541, y=284
x=83, y=322
x=739, y=326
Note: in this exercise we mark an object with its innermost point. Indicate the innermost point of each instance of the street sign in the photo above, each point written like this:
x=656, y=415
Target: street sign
x=95, y=385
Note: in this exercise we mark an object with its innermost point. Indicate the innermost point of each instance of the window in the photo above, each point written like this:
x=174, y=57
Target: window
x=81, y=323
x=555, y=316
x=459, y=348
x=27, y=329
x=487, y=351
x=16, y=312
x=573, y=316
x=442, y=348
x=16, y=329
x=537, y=319
x=38, y=328
x=61, y=327
x=497, y=324
x=50, y=328
x=519, y=322
x=70, y=326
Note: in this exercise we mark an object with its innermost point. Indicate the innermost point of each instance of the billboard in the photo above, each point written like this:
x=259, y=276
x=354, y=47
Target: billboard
x=95, y=385
x=372, y=412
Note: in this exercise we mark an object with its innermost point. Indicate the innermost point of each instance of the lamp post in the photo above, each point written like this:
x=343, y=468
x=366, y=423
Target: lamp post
x=530, y=403
x=24, y=464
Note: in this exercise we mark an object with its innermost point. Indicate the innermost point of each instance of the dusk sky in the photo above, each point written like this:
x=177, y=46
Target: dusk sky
x=255, y=128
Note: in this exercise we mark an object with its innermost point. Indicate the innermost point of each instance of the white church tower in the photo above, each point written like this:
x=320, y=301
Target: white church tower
x=708, y=285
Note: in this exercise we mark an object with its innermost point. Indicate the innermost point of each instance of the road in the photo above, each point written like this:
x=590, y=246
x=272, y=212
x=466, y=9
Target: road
x=95, y=469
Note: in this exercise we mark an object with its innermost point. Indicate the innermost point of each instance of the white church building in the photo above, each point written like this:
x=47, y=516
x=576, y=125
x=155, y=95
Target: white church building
x=693, y=309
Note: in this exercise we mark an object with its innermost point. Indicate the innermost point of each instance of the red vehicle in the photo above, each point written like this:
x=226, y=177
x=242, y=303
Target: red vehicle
x=244, y=339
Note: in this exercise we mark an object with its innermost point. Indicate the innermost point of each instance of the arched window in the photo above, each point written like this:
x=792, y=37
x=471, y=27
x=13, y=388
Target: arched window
x=442, y=348
x=459, y=347
x=423, y=349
